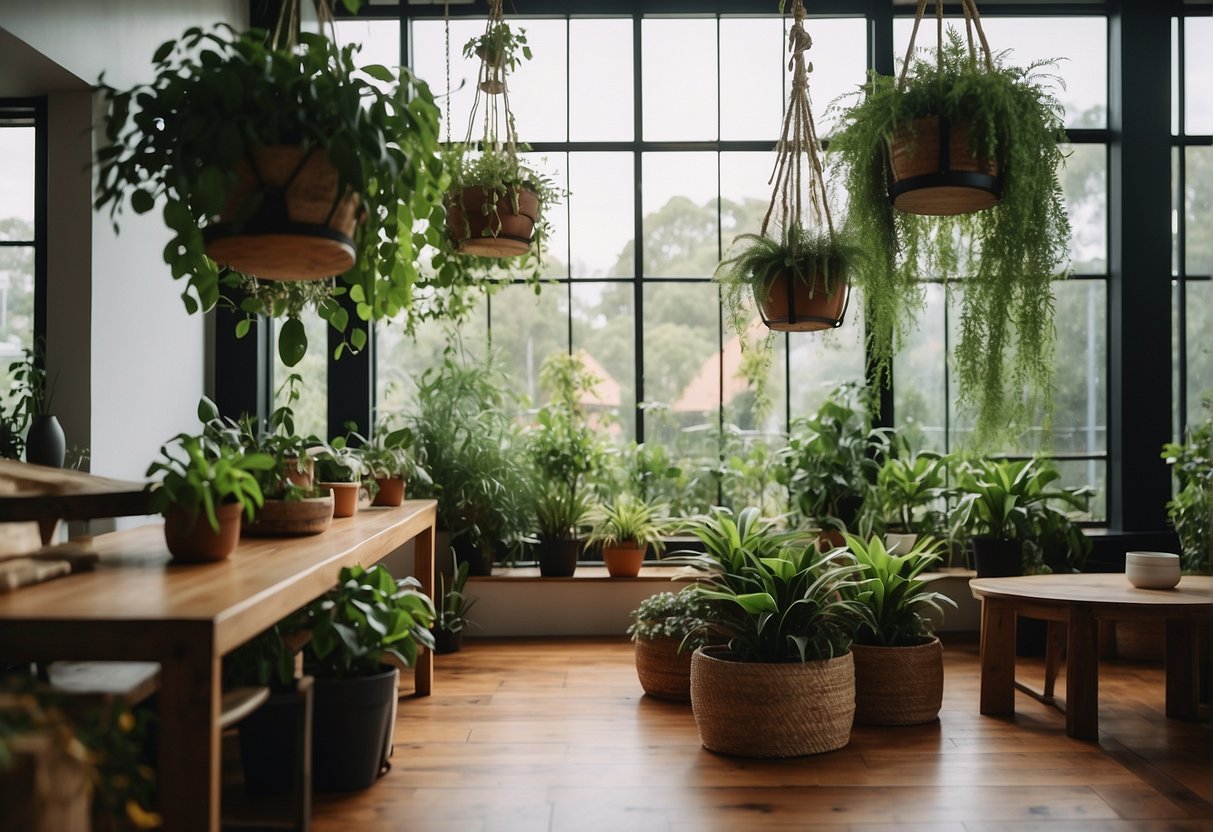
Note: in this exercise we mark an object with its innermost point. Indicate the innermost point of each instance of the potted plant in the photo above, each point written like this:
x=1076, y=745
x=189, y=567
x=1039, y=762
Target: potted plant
x=963, y=133
x=35, y=392
x=451, y=619
x=798, y=281
x=559, y=515
x=478, y=470
x=784, y=684
x=666, y=629
x=357, y=628
x=898, y=660
x=624, y=529
x=1191, y=510
x=500, y=49
x=1007, y=510
x=830, y=461
x=341, y=467
x=908, y=486
x=203, y=490
x=276, y=157
x=389, y=459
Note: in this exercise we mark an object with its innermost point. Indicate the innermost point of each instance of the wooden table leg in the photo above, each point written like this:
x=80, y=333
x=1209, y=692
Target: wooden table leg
x=997, y=657
x=189, y=736
x=1055, y=642
x=1183, y=680
x=1082, y=674
x=423, y=564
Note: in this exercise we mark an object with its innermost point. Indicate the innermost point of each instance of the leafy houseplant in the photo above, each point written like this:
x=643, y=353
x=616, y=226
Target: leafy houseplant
x=559, y=515
x=898, y=662
x=451, y=617
x=367, y=620
x=909, y=487
x=785, y=684
x=666, y=629
x=203, y=489
x=798, y=281
x=341, y=467
x=34, y=391
x=999, y=262
x=1191, y=511
x=1007, y=509
x=624, y=529
x=210, y=137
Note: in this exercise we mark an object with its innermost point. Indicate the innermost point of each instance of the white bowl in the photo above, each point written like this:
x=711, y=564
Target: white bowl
x=1152, y=570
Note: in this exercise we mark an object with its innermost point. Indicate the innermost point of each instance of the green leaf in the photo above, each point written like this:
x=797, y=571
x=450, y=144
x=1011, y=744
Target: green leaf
x=242, y=327
x=292, y=341
x=379, y=72
x=142, y=201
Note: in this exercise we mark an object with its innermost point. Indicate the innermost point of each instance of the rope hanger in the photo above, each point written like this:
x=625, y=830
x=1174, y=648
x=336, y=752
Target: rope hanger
x=972, y=22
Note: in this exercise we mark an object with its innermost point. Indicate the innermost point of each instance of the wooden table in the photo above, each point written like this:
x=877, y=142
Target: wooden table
x=139, y=607
x=1081, y=601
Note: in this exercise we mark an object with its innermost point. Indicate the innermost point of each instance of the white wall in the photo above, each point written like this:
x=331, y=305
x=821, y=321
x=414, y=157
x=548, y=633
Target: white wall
x=130, y=360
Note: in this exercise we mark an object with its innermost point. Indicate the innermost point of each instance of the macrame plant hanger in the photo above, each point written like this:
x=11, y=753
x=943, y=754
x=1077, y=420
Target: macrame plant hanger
x=484, y=222
x=935, y=172
x=792, y=305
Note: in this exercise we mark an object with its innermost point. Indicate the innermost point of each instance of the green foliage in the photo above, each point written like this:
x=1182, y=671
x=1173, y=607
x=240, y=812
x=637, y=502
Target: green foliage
x=32, y=388
x=198, y=474
x=339, y=461
x=390, y=453
x=656, y=475
x=216, y=95
x=832, y=458
x=749, y=473
x=756, y=260
x=786, y=601
x=560, y=513
x=908, y=487
x=500, y=46
x=628, y=518
x=478, y=468
x=565, y=449
x=1191, y=511
x=680, y=615
x=1014, y=500
x=1001, y=261
x=263, y=660
x=452, y=615
x=892, y=594
x=366, y=618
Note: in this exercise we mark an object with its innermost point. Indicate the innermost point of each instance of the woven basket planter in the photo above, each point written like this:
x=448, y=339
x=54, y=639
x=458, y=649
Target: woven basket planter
x=756, y=709
x=664, y=672
x=287, y=217
x=898, y=685
x=935, y=172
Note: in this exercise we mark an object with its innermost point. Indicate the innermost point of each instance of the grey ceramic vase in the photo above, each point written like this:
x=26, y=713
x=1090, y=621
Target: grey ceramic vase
x=45, y=443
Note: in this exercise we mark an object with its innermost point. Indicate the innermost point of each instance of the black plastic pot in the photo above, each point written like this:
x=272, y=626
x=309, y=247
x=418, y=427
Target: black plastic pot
x=351, y=721
x=558, y=558
x=45, y=443
x=479, y=563
x=997, y=558
x=275, y=742
x=448, y=641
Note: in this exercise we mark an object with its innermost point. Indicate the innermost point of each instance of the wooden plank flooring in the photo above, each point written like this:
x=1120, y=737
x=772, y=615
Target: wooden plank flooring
x=557, y=735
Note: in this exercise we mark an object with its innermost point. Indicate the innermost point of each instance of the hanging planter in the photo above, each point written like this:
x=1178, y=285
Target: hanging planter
x=798, y=279
x=274, y=157
x=288, y=217
x=495, y=204
x=951, y=168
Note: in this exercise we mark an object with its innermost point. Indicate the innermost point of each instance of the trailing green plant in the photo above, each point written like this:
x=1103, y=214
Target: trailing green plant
x=196, y=475
x=216, y=95
x=681, y=615
x=367, y=618
x=500, y=45
x=832, y=458
x=892, y=594
x=1191, y=510
x=755, y=260
x=998, y=263
x=1016, y=500
x=785, y=601
x=452, y=614
x=625, y=519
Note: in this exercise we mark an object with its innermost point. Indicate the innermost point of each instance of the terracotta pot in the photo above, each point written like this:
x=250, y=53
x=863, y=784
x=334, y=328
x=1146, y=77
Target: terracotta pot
x=624, y=560
x=663, y=671
x=285, y=518
x=302, y=228
x=830, y=539
x=192, y=540
x=898, y=685
x=791, y=304
x=345, y=497
x=760, y=709
x=391, y=491
x=934, y=170
x=501, y=232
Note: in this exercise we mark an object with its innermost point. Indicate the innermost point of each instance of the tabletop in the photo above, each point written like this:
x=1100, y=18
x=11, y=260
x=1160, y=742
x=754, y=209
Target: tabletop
x=1107, y=588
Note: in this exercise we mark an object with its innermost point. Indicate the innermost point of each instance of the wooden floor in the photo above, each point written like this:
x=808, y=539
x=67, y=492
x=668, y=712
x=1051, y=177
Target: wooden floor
x=556, y=735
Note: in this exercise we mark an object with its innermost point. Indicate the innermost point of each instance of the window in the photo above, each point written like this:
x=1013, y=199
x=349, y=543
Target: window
x=19, y=233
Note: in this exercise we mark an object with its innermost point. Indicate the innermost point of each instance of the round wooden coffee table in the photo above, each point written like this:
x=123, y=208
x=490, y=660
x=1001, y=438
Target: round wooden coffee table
x=1081, y=601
